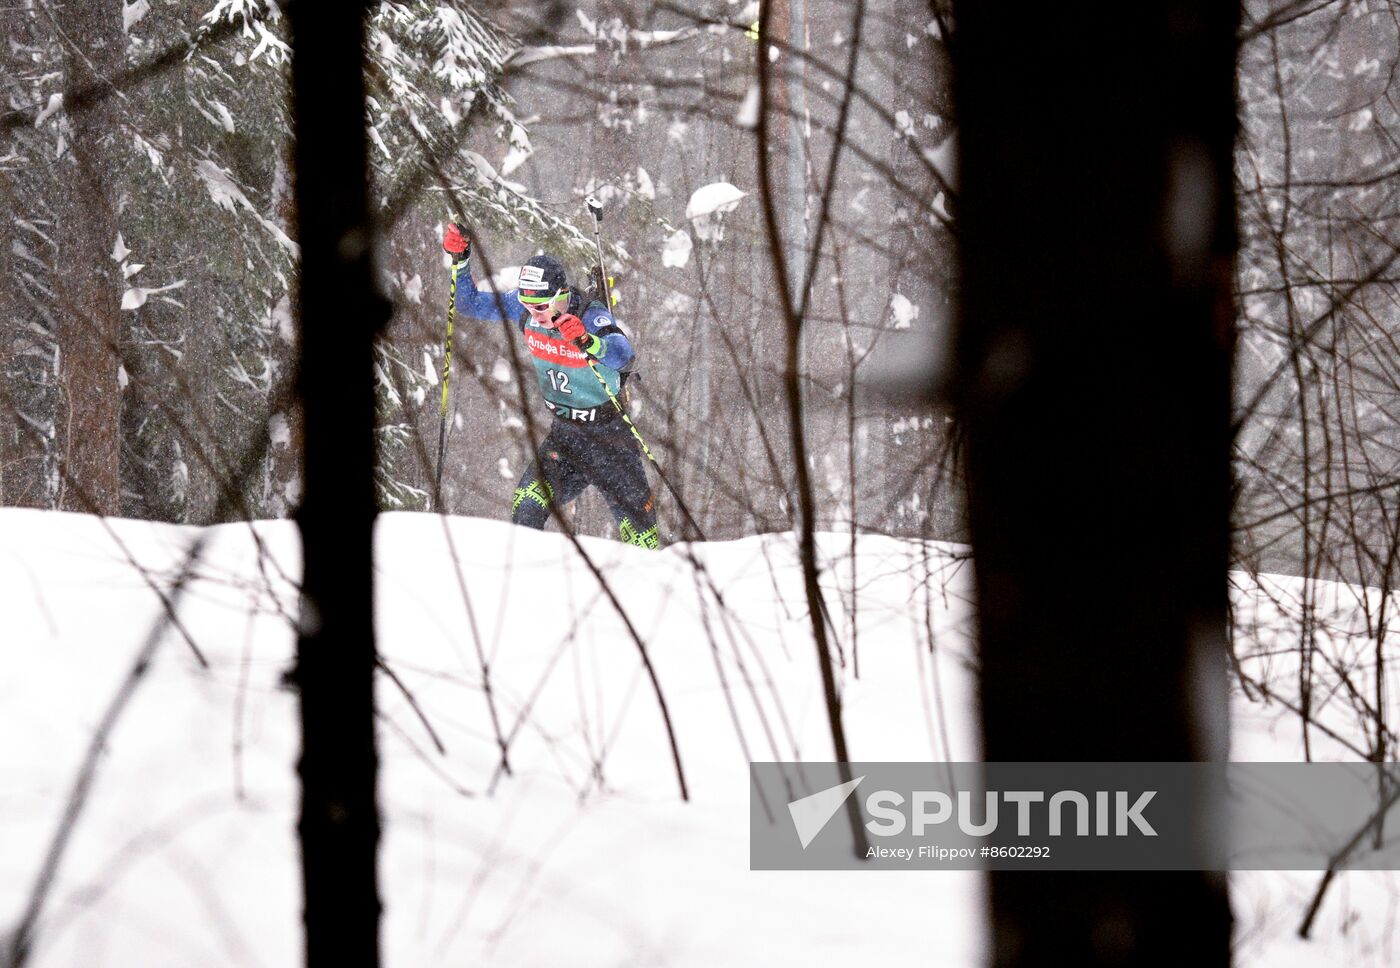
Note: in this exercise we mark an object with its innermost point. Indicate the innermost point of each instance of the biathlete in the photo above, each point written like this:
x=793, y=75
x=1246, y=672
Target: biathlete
x=580, y=355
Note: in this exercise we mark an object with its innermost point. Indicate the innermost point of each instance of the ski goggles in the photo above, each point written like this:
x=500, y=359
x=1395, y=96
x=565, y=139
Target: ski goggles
x=534, y=303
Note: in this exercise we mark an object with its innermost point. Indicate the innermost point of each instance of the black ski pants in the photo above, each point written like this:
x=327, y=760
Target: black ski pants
x=575, y=455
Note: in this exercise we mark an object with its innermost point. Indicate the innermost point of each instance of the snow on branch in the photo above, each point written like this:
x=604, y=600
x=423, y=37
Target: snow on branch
x=643, y=38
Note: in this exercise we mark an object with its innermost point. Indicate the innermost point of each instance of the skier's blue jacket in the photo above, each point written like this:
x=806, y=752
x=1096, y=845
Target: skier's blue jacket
x=561, y=368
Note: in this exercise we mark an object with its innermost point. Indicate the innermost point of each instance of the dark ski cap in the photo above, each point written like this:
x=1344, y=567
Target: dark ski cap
x=542, y=275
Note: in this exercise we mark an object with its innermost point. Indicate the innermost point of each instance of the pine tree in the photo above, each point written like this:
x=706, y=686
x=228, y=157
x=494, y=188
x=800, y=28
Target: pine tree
x=199, y=255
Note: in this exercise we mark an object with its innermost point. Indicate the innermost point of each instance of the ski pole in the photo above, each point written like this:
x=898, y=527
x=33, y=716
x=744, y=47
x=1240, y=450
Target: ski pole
x=617, y=404
x=446, y=379
x=595, y=209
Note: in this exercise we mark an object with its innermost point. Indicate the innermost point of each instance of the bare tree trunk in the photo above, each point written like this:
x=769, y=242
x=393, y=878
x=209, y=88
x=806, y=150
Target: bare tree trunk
x=283, y=481
x=1094, y=344
x=340, y=313
x=89, y=431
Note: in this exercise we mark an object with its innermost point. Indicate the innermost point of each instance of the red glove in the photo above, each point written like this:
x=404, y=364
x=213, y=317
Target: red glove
x=455, y=242
x=571, y=328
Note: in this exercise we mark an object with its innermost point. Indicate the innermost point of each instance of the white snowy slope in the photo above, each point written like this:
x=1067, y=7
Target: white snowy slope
x=585, y=855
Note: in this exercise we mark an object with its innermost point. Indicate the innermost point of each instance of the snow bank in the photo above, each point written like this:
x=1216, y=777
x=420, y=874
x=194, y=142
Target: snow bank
x=584, y=854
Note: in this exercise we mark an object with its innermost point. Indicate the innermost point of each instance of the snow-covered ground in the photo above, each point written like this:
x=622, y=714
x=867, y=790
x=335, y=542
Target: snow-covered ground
x=584, y=854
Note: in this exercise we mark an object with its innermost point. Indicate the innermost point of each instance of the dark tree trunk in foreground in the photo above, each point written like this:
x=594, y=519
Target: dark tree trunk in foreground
x=89, y=286
x=1097, y=229
x=340, y=314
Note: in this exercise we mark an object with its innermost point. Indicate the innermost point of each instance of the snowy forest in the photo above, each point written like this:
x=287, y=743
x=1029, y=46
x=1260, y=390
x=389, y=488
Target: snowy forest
x=642, y=107
x=1017, y=386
